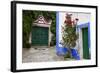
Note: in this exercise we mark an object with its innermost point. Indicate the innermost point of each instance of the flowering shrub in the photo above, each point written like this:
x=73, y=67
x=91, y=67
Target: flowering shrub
x=69, y=35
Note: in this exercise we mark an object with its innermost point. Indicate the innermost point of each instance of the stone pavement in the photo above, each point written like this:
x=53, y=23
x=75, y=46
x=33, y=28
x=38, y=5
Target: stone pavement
x=40, y=55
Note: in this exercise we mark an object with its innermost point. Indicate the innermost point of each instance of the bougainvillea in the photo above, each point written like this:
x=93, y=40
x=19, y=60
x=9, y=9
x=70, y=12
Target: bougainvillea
x=69, y=35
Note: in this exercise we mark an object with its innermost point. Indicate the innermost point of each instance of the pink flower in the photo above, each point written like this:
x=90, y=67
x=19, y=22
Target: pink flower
x=68, y=21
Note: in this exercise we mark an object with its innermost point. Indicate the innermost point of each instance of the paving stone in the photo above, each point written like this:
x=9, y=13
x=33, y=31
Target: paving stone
x=40, y=55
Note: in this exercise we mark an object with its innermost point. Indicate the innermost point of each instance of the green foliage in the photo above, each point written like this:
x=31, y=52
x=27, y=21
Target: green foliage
x=67, y=56
x=27, y=45
x=53, y=29
x=27, y=23
x=70, y=36
x=29, y=17
x=53, y=41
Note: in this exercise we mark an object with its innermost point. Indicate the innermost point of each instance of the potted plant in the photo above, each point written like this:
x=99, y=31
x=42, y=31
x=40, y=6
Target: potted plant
x=69, y=35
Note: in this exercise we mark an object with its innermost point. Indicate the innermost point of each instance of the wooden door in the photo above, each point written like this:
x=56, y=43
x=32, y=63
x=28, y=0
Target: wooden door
x=85, y=43
x=39, y=36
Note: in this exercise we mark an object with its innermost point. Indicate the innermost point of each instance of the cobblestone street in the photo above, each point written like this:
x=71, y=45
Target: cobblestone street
x=40, y=55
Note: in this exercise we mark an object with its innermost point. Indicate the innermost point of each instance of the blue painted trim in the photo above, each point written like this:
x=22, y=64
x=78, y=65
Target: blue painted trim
x=59, y=50
x=57, y=31
x=84, y=26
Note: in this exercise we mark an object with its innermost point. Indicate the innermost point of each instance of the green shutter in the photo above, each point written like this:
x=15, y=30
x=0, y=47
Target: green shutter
x=85, y=43
x=39, y=36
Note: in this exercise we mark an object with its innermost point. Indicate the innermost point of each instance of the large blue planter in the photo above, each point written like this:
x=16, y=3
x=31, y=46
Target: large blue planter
x=75, y=54
x=62, y=51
